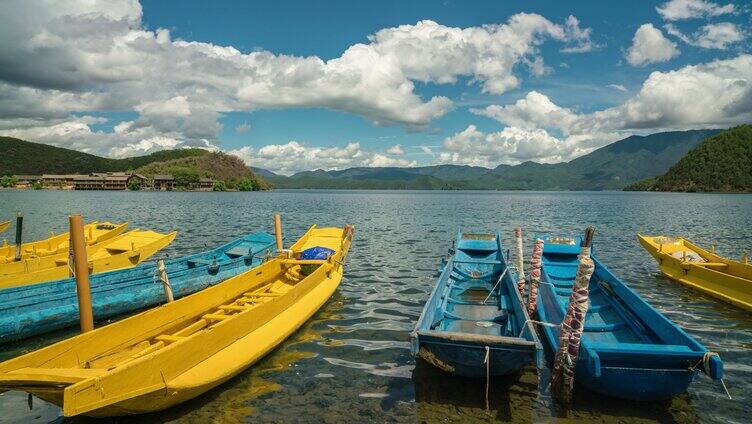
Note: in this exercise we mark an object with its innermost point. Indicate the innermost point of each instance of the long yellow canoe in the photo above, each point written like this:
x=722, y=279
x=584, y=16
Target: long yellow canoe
x=4, y=226
x=685, y=262
x=177, y=351
x=123, y=251
x=96, y=232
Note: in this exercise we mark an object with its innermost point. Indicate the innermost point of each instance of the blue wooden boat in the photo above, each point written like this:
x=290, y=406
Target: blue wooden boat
x=628, y=349
x=39, y=308
x=475, y=310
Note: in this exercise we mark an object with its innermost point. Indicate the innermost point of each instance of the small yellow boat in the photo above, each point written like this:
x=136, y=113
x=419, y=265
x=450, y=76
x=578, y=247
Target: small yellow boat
x=96, y=232
x=685, y=262
x=4, y=226
x=177, y=351
x=123, y=251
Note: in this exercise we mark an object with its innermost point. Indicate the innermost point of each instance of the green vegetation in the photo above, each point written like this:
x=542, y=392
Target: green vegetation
x=8, y=181
x=134, y=184
x=219, y=186
x=229, y=169
x=721, y=163
x=19, y=157
x=36, y=185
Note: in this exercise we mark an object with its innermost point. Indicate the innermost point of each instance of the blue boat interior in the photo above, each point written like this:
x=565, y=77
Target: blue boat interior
x=475, y=294
x=621, y=329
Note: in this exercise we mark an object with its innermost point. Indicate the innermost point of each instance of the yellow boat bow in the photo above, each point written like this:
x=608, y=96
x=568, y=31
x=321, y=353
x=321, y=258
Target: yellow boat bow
x=96, y=232
x=682, y=261
x=175, y=352
x=4, y=226
x=123, y=251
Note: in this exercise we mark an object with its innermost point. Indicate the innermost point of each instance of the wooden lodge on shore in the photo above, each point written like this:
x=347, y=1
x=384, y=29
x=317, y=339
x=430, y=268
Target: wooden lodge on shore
x=108, y=181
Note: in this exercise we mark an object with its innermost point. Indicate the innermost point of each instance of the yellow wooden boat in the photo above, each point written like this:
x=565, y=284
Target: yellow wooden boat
x=123, y=251
x=685, y=262
x=177, y=351
x=96, y=232
x=4, y=226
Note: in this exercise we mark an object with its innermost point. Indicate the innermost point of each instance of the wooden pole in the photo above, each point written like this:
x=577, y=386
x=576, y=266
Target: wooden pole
x=19, y=235
x=278, y=231
x=81, y=271
x=165, y=280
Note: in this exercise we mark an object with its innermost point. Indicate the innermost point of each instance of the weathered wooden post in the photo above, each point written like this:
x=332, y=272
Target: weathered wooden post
x=570, y=333
x=520, y=262
x=81, y=271
x=535, y=276
x=19, y=235
x=165, y=280
x=278, y=231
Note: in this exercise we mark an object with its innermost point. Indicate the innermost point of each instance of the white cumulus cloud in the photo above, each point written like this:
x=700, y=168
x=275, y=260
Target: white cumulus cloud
x=711, y=36
x=675, y=10
x=395, y=150
x=650, y=46
x=294, y=156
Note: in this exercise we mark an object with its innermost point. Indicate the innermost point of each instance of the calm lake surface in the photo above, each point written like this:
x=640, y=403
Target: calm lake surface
x=352, y=363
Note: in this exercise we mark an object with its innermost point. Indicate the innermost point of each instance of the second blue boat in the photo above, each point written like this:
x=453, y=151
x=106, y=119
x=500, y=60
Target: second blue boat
x=628, y=349
x=39, y=308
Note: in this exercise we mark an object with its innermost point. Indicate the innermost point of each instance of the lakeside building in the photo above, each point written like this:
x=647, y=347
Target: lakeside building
x=59, y=180
x=163, y=182
x=205, y=184
x=27, y=181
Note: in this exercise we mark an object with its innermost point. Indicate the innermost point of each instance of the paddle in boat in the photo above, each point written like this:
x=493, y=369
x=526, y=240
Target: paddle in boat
x=38, y=308
x=475, y=323
x=705, y=271
x=628, y=349
x=4, y=226
x=177, y=351
x=96, y=232
x=123, y=251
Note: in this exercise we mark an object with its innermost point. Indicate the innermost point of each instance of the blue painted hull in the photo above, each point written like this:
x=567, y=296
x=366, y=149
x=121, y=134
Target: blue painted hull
x=474, y=313
x=629, y=350
x=36, y=309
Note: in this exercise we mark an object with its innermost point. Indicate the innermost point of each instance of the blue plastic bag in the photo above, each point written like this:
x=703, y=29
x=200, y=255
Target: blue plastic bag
x=313, y=253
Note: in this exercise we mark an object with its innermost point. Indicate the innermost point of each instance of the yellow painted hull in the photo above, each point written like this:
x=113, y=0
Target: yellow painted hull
x=123, y=251
x=704, y=271
x=167, y=355
x=4, y=226
x=95, y=233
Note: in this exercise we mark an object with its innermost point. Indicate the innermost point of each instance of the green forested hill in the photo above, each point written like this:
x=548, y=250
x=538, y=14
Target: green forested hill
x=19, y=157
x=216, y=165
x=720, y=163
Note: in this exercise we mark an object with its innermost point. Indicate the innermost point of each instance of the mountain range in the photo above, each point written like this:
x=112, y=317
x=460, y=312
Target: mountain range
x=609, y=168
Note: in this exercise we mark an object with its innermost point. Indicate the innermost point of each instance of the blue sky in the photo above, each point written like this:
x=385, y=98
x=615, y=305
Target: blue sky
x=130, y=103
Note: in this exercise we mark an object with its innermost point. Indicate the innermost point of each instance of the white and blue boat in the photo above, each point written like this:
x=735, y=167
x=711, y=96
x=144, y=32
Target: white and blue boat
x=628, y=349
x=475, y=323
x=39, y=308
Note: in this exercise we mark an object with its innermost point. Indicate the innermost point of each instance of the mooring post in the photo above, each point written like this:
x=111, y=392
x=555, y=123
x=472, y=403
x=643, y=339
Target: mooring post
x=81, y=271
x=573, y=325
x=165, y=280
x=278, y=231
x=19, y=235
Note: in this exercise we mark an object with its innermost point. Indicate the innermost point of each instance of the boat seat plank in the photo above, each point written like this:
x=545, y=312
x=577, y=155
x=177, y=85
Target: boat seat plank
x=471, y=327
x=199, y=261
x=478, y=261
x=237, y=252
x=604, y=327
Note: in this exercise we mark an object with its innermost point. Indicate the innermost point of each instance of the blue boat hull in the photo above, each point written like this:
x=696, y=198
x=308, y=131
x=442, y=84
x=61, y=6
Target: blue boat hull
x=36, y=309
x=474, y=322
x=629, y=350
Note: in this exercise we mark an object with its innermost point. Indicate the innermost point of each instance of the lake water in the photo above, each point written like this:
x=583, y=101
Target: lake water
x=352, y=363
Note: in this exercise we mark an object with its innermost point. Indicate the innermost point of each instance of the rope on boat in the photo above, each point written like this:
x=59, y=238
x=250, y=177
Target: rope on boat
x=520, y=262
x=487, y=361
x=541, y=323
x=535, y=275
x=495, y=285
x=562, y=376
x=705, y=361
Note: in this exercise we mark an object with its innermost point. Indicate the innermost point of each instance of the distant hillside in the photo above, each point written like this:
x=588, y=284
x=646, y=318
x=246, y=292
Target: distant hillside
x=608, y=168
x=720, y=163
x=216, y=165
x=19, y=157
